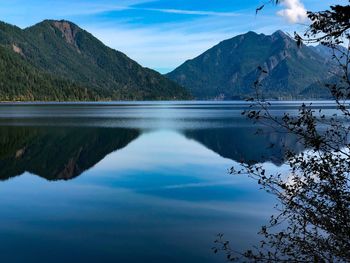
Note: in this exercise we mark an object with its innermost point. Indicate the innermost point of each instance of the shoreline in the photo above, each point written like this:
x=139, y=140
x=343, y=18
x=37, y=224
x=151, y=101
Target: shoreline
x=159, y=102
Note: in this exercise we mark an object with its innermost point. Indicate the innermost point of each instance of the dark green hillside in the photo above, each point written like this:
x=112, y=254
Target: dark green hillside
x=63, y=50
x=19, y=81
x=229, y=69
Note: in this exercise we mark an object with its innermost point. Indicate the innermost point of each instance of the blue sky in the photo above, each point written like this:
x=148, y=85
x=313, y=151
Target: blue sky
x=162, y=34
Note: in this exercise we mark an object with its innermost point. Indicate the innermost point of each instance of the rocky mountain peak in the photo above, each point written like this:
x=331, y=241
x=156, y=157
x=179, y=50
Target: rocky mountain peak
x=68, y=29
x=280, y=33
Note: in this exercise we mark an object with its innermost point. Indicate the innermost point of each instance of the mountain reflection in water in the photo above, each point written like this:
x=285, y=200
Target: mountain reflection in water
x=130, y=182
x=58, y=153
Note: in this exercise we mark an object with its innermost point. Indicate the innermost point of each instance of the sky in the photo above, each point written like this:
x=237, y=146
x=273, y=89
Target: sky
x=162, y=34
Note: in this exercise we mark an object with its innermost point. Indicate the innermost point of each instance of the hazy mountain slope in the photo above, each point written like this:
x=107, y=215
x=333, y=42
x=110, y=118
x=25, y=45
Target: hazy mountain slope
x=334, y=59
x=328, y=53
x=61, y=48
x=229, y=69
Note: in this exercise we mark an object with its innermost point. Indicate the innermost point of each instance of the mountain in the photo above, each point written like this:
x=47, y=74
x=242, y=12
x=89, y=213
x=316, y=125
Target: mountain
x=57, y=60
x=328, y=53
x=229, y=69
x=333, y=58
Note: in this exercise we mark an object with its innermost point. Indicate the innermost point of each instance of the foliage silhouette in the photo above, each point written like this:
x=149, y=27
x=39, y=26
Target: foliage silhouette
x=313, y=220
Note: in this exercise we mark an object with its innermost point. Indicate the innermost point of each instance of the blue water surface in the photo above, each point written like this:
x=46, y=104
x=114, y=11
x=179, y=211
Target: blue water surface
x=131, y=182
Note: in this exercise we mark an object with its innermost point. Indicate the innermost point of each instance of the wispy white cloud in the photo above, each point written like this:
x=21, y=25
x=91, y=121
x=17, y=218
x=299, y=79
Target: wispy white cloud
x=98, y=9
x=191, y=12
x=294, y=11
x=93, y=10
x=82, y=8
x=24, y=13
x=165, y=46
x=201, y=184
x=77, y=8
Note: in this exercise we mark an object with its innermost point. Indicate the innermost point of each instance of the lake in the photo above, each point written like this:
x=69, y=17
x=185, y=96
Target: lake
x=132, y=182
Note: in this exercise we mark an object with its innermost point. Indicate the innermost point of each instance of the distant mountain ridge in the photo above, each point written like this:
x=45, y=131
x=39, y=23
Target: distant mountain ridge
x=57, y=60
x=328, y=53
x=229, y=69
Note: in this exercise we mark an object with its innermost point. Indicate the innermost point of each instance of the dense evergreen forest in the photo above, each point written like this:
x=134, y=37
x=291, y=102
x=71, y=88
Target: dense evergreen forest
x=58, y=61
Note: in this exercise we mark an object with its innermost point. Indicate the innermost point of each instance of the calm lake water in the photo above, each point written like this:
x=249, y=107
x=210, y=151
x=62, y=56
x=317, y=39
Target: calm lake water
x=131, y=182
